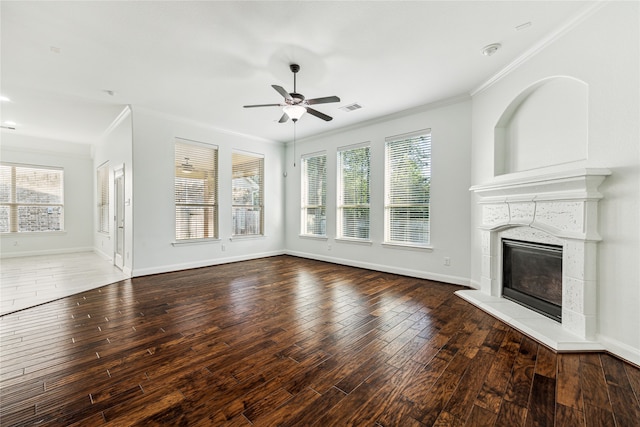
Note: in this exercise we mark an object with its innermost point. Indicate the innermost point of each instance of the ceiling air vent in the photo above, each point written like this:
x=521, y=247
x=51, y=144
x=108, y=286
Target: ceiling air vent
x=351, y=107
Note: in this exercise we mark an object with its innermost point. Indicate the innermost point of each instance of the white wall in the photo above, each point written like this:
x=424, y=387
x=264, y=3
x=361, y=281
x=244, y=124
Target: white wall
x=154, y=210
x=602, y=50
x=115, y=149
x=76, y=161
x=451, y=137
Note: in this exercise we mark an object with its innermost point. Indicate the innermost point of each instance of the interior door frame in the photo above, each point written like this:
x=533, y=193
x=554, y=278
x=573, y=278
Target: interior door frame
x=119, y=217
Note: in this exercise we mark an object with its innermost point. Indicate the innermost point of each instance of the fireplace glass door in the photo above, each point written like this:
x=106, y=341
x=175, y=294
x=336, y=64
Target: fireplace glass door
x=532, y=276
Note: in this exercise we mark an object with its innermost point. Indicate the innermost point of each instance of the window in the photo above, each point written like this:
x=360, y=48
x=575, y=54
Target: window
x=31, y=198
x=103, y=198
x=314, y=195
x=353, y=192
x=247, y=194
x=407, y=185
x=196, y=190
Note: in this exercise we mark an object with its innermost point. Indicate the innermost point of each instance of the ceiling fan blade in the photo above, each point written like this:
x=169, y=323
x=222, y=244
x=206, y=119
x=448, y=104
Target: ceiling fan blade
x=319, y=114
x=282, y=92
x=284, y=118
x=324, y=100
x=262, y=105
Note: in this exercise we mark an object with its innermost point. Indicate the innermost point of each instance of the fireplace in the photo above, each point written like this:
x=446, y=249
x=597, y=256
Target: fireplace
x=559, y=210
x=532, y=276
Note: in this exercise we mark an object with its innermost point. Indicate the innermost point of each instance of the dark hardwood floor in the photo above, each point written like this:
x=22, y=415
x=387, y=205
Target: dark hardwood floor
x=293, y=342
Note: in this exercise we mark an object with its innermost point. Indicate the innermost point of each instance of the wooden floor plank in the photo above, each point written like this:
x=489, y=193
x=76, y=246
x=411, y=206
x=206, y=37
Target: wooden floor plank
x=542, y=404
x=294, y=342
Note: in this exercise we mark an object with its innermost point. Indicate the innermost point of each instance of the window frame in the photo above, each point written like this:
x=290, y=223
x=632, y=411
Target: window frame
x=13, y=205
x=103, y=197
x=210, y=191
x=247, y=207
x=389, y=206
x=341, y=206
x=305, y=206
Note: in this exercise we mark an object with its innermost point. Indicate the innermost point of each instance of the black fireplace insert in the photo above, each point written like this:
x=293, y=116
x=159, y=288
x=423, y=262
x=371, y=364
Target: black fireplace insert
x=532, y=276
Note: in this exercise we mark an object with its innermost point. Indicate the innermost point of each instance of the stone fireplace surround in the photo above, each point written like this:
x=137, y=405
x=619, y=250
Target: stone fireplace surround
x=558, y=208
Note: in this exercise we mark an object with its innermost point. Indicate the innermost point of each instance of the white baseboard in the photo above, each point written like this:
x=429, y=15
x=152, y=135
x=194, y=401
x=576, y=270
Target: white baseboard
x=455, y=280
x=474, y=284
x=621, y=350
x=45, y=252
x=103, y=255
x=138, y=272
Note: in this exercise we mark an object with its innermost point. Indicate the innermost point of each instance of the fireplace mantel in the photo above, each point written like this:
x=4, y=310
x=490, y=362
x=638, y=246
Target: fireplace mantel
x=559, y=207
x=581, y=184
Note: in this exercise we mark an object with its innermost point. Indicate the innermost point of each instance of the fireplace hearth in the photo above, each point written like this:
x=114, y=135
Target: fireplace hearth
x=532, y=276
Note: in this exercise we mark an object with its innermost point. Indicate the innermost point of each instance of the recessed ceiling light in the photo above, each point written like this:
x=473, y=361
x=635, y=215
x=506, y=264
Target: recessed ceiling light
x=490, y=49
x=10, y=123
x=4, y=98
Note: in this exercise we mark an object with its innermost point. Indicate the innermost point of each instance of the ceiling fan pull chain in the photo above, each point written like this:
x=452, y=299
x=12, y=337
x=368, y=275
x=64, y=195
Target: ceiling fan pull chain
x=294, y=142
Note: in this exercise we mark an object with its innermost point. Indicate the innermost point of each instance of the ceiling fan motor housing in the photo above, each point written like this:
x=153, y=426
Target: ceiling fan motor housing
x=297, y=98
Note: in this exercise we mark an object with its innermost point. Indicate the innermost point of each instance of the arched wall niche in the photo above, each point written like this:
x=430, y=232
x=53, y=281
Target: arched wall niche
x=545, y=125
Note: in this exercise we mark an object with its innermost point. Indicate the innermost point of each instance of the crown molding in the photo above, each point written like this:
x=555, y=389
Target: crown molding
x=388, y=117
x=126, y=111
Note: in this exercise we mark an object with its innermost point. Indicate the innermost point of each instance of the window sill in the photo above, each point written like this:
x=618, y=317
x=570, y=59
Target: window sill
x=195, y=242
x=425, y=248
x=313, y=237
x=365, y=242
x=14, y=234
x=247, y=237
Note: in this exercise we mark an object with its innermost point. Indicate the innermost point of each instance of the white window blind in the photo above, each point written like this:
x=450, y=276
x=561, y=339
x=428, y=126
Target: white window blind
x=353, y=192
x=103, y=198
x=31, y=198
x=247, y=194
x=196, y=190
x=314, y=195
x=407, y=187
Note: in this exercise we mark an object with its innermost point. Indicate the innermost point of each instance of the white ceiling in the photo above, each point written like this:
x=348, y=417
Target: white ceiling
x=204, y=60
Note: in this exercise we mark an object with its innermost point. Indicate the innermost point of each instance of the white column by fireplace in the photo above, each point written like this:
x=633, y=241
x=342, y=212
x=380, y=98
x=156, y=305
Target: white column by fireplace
x=556, y=208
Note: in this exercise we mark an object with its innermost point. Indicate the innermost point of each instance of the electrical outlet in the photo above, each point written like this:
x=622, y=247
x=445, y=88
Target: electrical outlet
x=447, y=261
x=224, y=248
x=329, y=247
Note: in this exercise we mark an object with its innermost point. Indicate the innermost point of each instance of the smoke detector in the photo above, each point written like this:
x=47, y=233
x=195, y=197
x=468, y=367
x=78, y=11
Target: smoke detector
x=490, y=49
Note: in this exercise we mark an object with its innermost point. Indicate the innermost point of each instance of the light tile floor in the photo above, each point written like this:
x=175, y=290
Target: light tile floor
x=30, y=281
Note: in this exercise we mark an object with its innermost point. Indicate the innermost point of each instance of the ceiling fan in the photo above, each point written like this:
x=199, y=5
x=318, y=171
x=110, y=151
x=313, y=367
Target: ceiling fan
x=295, y=104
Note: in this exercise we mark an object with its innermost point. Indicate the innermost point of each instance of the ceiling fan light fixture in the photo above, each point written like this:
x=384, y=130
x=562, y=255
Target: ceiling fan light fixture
x=294, y=111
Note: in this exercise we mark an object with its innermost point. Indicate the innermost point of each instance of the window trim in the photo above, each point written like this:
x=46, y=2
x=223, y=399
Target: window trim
x=412, y=245
x=215, y=205
x=261, y=204
x=304, y=196
x=340, y=205
x=14, y=205
x=103, y=172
